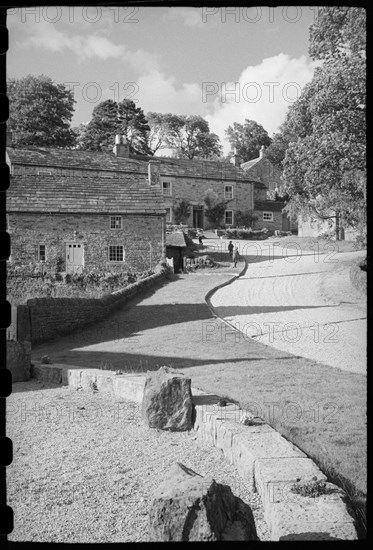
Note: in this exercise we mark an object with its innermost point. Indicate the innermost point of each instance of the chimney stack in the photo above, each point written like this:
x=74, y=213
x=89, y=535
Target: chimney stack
x=261, y=152
x=235, y=159
x=121, y=148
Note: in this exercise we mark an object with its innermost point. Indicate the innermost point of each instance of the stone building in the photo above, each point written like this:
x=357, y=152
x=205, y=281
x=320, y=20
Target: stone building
x=268, y=205
x=70, y=210
x=190, y=181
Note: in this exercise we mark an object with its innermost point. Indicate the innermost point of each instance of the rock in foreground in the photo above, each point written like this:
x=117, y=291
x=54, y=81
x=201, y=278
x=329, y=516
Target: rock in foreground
x=167, y=402
x=189, y=507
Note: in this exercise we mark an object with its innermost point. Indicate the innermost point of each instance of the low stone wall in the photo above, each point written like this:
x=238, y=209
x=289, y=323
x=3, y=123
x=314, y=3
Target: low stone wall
x=51, y=317
x=18, y=360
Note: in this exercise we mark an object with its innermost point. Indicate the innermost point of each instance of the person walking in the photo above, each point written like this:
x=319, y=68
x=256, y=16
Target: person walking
x=230, y=249
x=236, y=256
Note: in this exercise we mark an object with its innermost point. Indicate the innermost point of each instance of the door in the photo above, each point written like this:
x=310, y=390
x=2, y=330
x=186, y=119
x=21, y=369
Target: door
x=285, y=222
x=74, y=257
x=198, y=216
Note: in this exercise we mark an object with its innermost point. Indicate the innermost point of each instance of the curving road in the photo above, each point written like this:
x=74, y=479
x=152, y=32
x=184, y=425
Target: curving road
x=302, y=303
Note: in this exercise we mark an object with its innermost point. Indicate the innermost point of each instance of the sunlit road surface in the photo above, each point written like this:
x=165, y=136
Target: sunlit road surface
x=302, y=303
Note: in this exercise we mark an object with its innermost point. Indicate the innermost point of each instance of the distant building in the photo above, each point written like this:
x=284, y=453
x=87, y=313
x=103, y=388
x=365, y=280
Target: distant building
x=268, y=205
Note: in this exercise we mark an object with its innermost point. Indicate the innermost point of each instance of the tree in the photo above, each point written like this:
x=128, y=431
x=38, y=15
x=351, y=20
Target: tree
x=182, y=211
x=247, y=138
x=215, y=209
x=324, y=168
x=189, y=137
x=110, y=118
x=161, y=126
x=245, y=218
x=40, y=112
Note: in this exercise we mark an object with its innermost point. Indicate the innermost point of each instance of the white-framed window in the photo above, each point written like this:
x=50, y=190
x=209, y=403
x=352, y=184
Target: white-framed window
x=116, y=253
x=115, y=222
x=228, y=192
x=167, y=188
x=268, y=216
x=168, y=214
x=41, y=253
x=43, y=172
x=228, y=217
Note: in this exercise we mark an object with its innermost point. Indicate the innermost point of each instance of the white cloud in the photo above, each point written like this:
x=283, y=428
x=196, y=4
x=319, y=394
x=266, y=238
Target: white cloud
x=263, y=93
x=191, y=17
x=47, y=37
x=159, y=93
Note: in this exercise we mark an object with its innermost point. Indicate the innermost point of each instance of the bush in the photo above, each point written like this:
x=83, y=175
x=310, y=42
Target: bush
x=23, y=285
x=247, y=234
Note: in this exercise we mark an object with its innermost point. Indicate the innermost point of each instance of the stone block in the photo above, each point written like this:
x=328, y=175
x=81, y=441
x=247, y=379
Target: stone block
x=167, y=402
x=323, y=517
x=188, y=507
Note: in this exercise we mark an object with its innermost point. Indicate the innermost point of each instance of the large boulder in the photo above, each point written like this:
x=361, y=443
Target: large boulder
x=189, y=507
x=167, y=402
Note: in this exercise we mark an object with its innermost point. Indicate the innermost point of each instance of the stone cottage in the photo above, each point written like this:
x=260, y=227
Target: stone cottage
x=268, y=205
x=70, y=210
x=190, y=180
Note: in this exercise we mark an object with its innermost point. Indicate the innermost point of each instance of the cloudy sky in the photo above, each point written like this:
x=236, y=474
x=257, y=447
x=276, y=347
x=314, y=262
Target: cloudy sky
x=226, y=64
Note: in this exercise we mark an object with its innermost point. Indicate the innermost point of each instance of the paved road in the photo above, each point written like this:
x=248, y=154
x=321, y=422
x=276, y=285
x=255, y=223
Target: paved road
x=302, y=303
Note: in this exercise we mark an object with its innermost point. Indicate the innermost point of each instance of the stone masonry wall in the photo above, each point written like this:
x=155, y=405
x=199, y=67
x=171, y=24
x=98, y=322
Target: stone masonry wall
x=51, y=317
x=142, y=237
x=260, y=224
x=194, y=191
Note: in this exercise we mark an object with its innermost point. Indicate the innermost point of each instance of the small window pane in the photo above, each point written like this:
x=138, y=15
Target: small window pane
x=166, y=187
x=115, y=222
x=41, y=252
x=116, y=253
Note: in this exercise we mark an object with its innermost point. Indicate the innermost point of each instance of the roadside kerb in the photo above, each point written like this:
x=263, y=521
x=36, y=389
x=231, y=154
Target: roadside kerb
x=265, y=460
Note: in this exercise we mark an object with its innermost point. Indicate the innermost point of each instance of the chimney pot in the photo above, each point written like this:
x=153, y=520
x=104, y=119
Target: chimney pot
x=261, y=152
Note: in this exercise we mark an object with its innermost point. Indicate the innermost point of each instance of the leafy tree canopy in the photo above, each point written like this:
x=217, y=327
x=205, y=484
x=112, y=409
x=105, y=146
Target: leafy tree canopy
x=323, y=136
x=40, y=112
x=188, y=136
x=110, y=118
x=247, y=138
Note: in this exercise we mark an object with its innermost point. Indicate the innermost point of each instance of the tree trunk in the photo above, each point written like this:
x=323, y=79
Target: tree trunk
x=337, y=235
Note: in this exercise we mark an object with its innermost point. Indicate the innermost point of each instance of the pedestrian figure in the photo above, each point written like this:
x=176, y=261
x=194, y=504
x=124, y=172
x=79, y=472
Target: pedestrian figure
x=236, y=256
x=199, y=235
x=230, y=249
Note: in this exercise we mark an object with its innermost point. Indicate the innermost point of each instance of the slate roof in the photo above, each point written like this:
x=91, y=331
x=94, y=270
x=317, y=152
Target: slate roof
x=250, y=163
x=97, y=160
x=94, y=195
x=269, y=206
x=175, y=239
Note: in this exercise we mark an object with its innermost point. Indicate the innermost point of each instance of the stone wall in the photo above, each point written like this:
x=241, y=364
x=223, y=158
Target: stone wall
x=18, y=360
x=51, y=317
x=275, y=224
x=194, y=191
x=142, y=237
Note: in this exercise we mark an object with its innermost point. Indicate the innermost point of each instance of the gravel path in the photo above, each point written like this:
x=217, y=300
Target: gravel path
x=85, y=466
x=304, y=305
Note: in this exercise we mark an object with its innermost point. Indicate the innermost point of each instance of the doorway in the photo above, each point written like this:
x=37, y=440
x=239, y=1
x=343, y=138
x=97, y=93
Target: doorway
x=198, y=216
x=74, y=258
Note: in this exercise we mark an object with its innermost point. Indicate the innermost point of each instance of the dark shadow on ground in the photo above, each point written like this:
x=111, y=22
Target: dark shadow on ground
x=227, y=311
